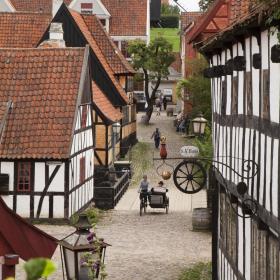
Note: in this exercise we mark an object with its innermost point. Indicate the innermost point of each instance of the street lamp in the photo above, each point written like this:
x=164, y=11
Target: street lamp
x=81, y=252
x=199, y=125
x=116, y=128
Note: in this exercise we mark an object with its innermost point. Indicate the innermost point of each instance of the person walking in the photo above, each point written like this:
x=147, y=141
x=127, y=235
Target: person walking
x=158, y=106
x=164, y=100
x=156, y=136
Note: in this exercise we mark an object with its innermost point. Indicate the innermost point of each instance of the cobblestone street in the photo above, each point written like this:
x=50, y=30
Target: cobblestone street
x=155, y=246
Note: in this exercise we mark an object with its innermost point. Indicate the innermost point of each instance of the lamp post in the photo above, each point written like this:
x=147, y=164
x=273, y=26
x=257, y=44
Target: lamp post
x=199, y=125
x=81, y=252
x=116, y=131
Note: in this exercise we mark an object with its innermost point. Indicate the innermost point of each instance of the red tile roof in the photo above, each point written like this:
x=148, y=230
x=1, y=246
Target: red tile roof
x=96, y=49
x=128, y=17
x=114, y=56
x=44, y=6
x=22, y=30
x=189, y=17
x=43, y=86
x=104, y=105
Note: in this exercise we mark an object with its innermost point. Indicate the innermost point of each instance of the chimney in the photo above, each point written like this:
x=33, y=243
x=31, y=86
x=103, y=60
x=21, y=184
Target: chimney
x=55, y=37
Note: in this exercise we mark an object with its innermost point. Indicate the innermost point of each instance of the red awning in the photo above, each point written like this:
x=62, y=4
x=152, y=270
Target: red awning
x=17, y=236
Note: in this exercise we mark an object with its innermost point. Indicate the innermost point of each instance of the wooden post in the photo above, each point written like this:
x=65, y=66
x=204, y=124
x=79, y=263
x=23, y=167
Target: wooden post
x=9, y=263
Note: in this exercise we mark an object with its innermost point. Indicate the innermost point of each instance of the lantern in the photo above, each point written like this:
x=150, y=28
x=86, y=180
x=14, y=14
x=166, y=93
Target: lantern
x=116, y=128
x=78, y=246
x=199, y=125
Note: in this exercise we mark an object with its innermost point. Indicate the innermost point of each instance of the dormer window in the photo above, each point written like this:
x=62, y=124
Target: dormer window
x=87, y=8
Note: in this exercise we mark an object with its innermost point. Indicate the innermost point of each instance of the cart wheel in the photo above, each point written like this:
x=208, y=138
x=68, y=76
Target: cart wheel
x=189, y=176
x=141, y=209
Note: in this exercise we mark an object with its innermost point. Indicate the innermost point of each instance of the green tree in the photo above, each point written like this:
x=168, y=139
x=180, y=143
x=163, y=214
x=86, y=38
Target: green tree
x=204, y=4
x=198, y=87
x=169, y=10
x=153, y=61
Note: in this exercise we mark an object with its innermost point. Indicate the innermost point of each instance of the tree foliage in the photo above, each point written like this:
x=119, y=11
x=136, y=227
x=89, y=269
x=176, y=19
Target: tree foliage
x=167, y=9
x=198, y=87
x=153, y=61
x=204, y=4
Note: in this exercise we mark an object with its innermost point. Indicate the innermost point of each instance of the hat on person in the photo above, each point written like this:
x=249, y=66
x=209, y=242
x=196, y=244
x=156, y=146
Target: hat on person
x=160, y=183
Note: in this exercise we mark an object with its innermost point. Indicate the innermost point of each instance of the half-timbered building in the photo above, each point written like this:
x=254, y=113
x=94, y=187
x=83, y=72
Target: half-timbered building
x=46, y=148
x=244, y=70
x=77, y=33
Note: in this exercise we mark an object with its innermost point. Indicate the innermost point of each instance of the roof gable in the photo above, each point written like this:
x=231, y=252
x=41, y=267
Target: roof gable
x=113, y=55
x=22, y=30
x=97, y=7
x=43, y=85
x=213, y=20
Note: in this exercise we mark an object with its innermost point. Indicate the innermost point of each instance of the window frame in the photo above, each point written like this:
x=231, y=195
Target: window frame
x=19, y=169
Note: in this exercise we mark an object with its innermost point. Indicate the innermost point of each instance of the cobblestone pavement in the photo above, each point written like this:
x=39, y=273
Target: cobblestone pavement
x=155, y=246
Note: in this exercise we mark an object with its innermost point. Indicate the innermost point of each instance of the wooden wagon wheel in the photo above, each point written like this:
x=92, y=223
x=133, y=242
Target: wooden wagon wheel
x=189, y=176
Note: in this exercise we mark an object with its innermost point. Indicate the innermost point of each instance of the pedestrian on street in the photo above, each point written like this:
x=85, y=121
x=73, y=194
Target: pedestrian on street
x=164, y=100
x=158, y=106
x=156, y=136
x=144, y=188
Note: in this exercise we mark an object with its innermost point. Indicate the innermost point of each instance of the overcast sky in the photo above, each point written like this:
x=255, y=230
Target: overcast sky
x=189, y=5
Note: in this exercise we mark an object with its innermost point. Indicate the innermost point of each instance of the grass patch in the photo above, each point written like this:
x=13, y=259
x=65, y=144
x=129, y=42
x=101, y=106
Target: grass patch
x=170, y=34
x=141, y=161
x=199, y=271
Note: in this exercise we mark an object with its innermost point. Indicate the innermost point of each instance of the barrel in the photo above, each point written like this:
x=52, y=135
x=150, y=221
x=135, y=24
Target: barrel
x=201, y=219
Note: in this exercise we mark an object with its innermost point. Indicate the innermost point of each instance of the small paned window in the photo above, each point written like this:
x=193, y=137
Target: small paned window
x=82, y=169
x=24, y=176
x=224, y=97
x=129, y=84
x=125, y=112
x=234, y=98
x=265, y=94
x=248, y=92
x=86, y=8
x=84, y=117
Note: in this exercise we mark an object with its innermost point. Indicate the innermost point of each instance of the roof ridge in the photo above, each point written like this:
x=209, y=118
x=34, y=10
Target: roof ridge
x=25, y=13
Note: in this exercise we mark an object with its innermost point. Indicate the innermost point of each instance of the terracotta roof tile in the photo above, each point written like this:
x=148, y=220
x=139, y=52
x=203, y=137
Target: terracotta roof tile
x=44, y=6
x=189, y=17
x=96, y=49
x=128, y=17
x=104, y=105
x=114, y=56
x=22, y=30
x=43, y=86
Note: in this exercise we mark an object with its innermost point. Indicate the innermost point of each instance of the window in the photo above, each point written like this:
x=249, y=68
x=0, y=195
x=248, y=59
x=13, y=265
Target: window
x=139, y=82
x=86, y=8
x=129, y=84
x=124, y=49
x=24, y=176
x=248, y=92
x=125, y=112
x=103, y=22
x=82, y=170
x=265, y=95
x=84, y=117
x=234, y=98
x=224, y=97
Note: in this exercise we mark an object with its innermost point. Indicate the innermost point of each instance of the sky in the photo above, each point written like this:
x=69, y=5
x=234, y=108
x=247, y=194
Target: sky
x=189, y=5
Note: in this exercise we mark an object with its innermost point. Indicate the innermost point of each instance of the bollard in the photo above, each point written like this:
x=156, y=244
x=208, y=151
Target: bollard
x=8, y=263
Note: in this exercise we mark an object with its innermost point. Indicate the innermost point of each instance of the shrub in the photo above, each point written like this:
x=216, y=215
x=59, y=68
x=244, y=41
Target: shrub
x=169, y=21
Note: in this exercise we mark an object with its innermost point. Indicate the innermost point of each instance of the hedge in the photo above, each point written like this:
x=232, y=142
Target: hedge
x=169, y=21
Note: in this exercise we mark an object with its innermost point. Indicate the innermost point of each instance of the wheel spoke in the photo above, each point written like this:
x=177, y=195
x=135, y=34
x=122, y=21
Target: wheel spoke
x=197, y=182
x=192, y=186
x=198, y=177
x=192, y=168
x=183, y=182
x=179, y=177
x=186, y=188
x=197, y=171
x=186, y=165
x=183, y=171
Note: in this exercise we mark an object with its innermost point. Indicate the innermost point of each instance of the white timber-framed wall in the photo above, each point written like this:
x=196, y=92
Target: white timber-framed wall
x=246, y=109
